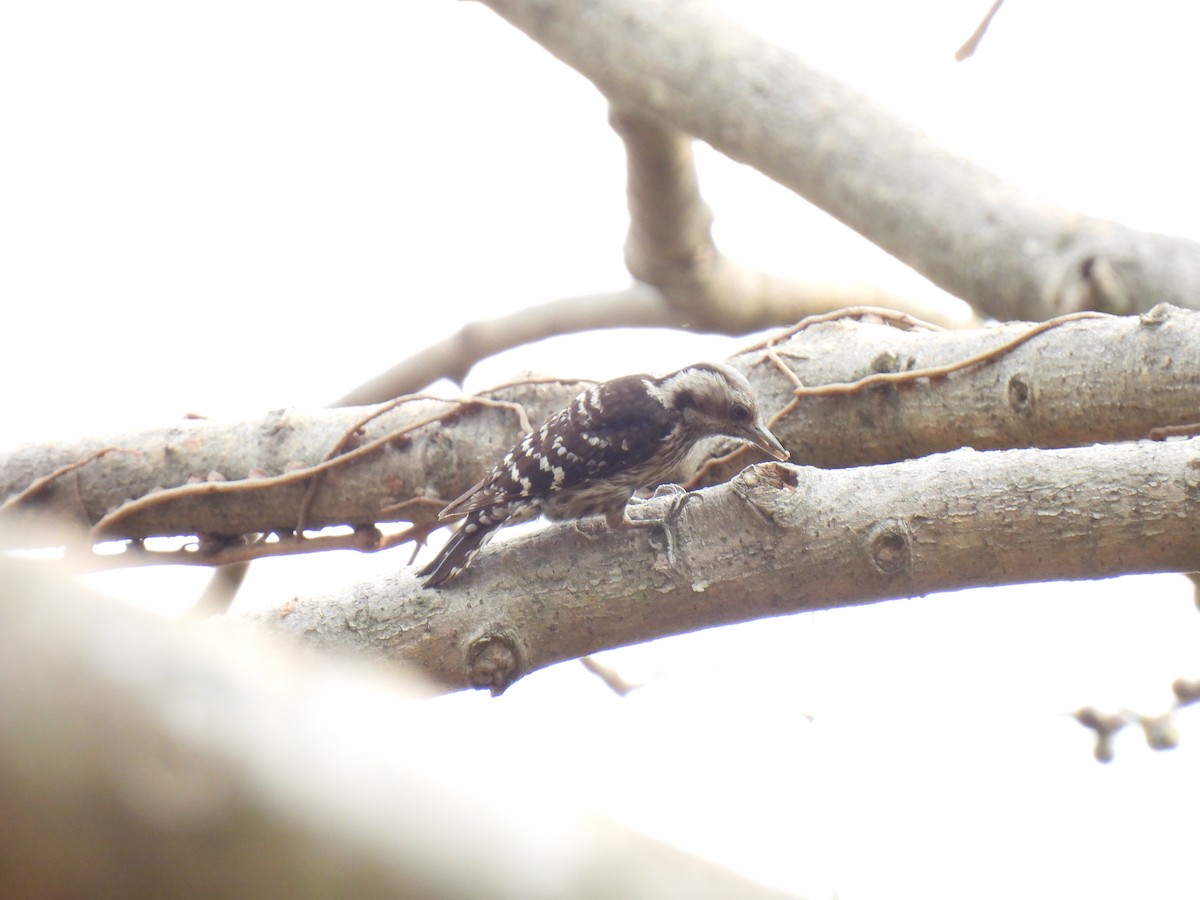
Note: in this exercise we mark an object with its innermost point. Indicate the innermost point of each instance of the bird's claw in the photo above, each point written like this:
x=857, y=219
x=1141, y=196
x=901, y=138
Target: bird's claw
x=680, y=496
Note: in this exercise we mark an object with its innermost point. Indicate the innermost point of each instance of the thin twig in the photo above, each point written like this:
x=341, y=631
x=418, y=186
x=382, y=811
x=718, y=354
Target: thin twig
x=610, y=676
x=639, y=305
x=935, y=372
x=1162, y=432
x=972, y=43
x=801, y=391
x=297, y=476
x=858, y=313
x=40, y=484
x=365, y=539
x=336, y=450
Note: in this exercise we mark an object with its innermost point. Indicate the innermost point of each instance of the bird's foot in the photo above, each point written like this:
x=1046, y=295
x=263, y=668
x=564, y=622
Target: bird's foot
x=679, y=496
x=668, y=521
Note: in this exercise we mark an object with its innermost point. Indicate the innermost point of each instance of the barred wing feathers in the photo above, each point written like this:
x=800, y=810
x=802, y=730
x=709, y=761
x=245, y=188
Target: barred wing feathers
x=615, y=425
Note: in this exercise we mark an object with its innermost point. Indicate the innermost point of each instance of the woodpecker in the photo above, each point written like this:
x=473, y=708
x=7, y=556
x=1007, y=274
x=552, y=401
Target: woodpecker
x=591, y=457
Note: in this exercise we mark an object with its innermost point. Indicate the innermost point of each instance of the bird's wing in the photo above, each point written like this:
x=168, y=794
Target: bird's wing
x=603, y=430
x=478, y=496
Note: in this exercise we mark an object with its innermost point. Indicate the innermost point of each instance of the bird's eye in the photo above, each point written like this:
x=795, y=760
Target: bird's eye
x=739, y=412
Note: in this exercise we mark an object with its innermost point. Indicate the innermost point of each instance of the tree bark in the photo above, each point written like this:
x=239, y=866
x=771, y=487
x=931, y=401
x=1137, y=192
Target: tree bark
x=1082, y=382
x=1006, y=253
x=777, y=539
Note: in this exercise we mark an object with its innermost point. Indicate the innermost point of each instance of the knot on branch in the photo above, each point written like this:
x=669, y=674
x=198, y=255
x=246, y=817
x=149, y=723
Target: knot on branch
x=1158, y=314
x=886, y=361
x=1191, y=480
x=1020, y=396
x=495, y=661
x=767, y=487
x=889, y=544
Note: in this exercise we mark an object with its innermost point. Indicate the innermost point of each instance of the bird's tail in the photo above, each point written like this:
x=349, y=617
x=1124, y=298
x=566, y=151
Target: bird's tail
x=458, y=552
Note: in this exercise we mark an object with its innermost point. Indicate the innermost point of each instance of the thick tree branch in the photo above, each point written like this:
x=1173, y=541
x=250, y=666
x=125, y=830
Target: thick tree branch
x=1077, y=383
x=1003, y=251
x=142, y=759
x=1090, y=380
x=682, y=280
x=236, y=478
x=770, y=302
x=778, y=539
x=670, y=246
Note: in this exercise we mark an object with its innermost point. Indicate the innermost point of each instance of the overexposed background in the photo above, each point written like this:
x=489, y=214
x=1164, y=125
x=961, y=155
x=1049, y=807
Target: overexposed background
x=231, y=207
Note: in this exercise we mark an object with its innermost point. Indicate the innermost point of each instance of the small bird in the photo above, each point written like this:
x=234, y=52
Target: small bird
x=590, y=458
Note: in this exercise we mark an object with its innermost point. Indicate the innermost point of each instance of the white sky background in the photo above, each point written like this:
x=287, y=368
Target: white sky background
x=231, y=207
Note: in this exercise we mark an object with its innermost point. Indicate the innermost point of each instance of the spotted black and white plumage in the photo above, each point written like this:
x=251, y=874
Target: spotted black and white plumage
x=591, y=457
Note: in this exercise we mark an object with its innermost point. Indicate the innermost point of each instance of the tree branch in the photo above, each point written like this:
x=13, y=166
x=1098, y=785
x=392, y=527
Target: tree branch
x=682, y=279
x=670, y=246
x=778, y=539
x=1006, y=253
x=971, y=44
x=1043, y=386
x=637, y=306
x=1057, y=389
x=143, y=759
x=257, y=476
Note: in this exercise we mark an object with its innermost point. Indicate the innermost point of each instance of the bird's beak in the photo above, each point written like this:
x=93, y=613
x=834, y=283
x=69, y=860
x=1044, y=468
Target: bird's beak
x=760, y=436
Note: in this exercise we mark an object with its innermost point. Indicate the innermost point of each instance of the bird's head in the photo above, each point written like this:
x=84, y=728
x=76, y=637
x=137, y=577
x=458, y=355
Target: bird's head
x=715, y=399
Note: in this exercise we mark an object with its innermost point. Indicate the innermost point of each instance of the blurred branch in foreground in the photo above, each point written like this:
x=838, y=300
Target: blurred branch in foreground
x=145, y=759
